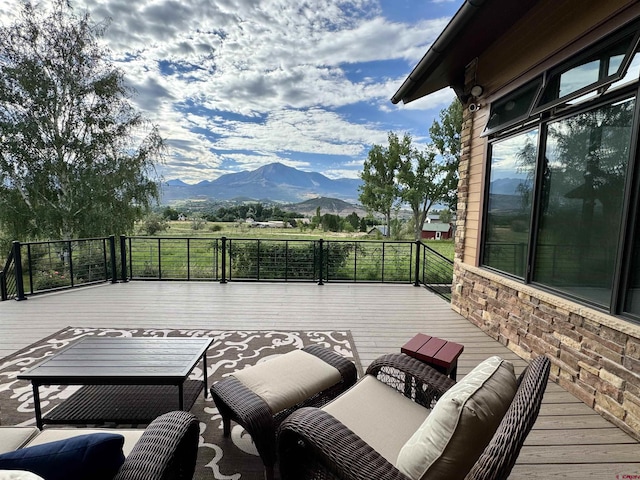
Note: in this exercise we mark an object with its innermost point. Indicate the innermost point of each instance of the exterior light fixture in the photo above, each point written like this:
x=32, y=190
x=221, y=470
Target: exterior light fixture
x=477, y=91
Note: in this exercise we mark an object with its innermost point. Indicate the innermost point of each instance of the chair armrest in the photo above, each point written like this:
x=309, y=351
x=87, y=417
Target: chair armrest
x=411, y=377
x=167, y=449
x=311, y=441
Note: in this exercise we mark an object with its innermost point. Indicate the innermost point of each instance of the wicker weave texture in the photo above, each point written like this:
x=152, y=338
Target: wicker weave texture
x=238, y=403
x=167, y=450
x=314, y=445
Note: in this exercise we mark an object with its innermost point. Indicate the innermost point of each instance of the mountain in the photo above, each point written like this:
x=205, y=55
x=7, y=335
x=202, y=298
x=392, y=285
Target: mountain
x=333, y=206
x=275, y=182
x=506, y=186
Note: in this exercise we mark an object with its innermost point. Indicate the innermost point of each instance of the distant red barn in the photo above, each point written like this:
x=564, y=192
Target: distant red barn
x=437, y=231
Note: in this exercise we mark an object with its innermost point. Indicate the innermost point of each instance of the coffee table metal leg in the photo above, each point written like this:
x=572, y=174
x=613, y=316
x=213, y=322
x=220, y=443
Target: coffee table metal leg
x=36, y=402
x=181, y=397
x=204, y=374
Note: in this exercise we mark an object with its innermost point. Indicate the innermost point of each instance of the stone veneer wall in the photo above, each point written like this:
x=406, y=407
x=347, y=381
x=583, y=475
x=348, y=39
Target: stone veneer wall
x=594, y=356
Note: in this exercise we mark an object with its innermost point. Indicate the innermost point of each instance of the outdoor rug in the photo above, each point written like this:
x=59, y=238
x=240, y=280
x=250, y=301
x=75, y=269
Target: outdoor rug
x=218, y=457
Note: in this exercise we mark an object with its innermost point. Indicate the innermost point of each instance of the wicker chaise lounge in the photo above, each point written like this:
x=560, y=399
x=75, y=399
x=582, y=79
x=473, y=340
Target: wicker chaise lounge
x=295, y=380
x=313, y=444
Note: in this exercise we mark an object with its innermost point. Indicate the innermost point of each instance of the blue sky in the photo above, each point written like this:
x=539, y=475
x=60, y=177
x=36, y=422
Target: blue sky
x=237, y=84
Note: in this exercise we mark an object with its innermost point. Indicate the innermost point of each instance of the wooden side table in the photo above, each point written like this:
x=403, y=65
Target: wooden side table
x=440, y=354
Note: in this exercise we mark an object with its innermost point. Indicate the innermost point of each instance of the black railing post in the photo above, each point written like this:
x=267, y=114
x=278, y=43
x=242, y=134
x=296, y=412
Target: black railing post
x=123, y=258
x=112, y=253
x=70, y=262
x=321, y=261
x=17, y=258
x=159, y=260
x=188, y=259
x=224, y=260
x=416, y=283
x=3, y=286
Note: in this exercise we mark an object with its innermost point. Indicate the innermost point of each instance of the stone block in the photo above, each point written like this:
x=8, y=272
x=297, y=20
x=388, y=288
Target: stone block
x=594, y=346
x=620, y=371
x=583, y=392
x=601, y=386
x=615, y=336
x=631, y=404
x=632, y=365
x=633, y=423
x=587, y=334
x=568, y=341
x=632, y=349
x=614, y=380
x=616, y=421
x=589, y=367
x=609, y=405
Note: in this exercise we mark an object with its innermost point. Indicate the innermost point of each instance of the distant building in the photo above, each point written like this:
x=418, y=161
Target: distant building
x=437, y=231
x=378, y=229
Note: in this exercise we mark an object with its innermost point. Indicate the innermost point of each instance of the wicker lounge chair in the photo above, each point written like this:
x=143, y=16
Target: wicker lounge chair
x=167, y=450
x=237, y=402
x=313, y=444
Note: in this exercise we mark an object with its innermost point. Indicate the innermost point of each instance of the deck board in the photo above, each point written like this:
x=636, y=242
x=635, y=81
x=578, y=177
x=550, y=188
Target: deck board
x=569, y=440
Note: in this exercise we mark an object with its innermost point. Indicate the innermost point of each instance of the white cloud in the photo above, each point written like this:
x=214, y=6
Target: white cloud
x=282, y=61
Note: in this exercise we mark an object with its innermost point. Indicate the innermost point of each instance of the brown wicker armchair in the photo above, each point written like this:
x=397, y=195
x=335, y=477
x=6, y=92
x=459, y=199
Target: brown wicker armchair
x=167, y=450
x=314, y=445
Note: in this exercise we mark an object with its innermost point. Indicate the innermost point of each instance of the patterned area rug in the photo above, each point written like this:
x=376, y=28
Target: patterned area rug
x=218, y=457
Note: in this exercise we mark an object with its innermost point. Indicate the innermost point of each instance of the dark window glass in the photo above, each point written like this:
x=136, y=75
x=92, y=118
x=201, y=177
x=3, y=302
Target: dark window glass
x=514, y=107
x=513, y=163
x=585, y=163
x=590, y=71
x=632, y=304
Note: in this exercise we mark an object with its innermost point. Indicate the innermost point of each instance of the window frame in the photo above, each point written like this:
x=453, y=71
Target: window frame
x=630, y=203
x=603, y=83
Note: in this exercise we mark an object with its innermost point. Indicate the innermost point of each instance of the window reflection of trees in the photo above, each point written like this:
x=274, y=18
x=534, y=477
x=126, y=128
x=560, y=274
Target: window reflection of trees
x=586, y=160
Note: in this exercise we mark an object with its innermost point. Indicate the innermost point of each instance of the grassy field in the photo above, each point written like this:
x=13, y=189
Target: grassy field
x=234, y=230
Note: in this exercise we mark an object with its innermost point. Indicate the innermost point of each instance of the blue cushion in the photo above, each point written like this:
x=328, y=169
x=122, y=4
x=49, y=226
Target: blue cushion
x=93, y=456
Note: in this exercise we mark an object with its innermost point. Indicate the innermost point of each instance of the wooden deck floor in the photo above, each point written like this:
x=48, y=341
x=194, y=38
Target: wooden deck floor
x=569, y=439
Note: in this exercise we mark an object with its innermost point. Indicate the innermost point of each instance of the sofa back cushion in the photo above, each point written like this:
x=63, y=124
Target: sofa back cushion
x=96, y=456
x=461, y=424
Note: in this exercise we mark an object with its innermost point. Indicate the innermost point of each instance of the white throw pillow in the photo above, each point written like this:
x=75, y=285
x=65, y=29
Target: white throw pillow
x=461, y=424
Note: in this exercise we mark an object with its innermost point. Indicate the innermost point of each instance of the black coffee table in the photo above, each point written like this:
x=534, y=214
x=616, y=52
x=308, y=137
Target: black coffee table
x=125, y=380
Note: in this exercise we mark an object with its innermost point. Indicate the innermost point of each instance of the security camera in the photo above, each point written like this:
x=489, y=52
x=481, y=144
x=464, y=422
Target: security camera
x=473, y=107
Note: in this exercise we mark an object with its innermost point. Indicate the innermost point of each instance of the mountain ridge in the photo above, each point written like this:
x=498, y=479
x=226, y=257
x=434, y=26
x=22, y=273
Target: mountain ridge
x=275, y=181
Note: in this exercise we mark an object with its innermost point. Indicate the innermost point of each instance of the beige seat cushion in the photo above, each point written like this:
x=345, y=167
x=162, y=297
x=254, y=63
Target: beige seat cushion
x=287, y=380
x=461, y=424
x=131, y=436
x=12, y=438
x=380, y=415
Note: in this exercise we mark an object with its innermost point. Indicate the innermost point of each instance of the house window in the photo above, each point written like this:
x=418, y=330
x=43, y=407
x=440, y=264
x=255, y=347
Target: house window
x=514, y=108
x=508, y=217
x=563, y=185
x=590, y=74
x=632, y=302
x=585, y=164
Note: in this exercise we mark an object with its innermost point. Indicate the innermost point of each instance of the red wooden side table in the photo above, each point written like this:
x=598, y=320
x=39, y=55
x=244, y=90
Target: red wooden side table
x=440, y=354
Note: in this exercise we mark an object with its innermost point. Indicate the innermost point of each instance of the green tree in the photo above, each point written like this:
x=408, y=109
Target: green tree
x=154, y=223
x=445, y=215
x=170, y=213
x=422, y=181
x=379, y=191
x=446, y=135
x=76, y=159
x=354, y=220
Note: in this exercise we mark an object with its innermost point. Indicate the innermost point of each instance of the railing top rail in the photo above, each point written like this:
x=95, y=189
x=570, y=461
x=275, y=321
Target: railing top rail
x=146, y=237
x=45, y=242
